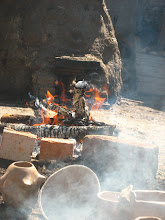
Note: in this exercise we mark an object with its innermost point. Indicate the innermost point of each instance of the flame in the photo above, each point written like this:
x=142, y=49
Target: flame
x=95, y=97
x=27, y=105
x=63, y=93
x=94, y=100
x=49, y=97
x=80, y=141
x=98, y=101
x=105, y=88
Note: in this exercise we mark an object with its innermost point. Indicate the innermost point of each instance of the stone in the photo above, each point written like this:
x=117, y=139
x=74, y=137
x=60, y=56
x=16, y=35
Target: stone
x=126, y=160
x=16, y=145
x=56, y=148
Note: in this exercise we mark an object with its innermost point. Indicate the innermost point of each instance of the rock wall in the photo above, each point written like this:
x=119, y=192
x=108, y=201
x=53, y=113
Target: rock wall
x=34, y=33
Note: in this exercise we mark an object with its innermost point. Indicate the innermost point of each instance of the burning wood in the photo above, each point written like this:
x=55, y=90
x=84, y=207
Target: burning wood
x=84, y=98
x=79, y=103
x=57, y=120
x=23, y=119
x=58, y=131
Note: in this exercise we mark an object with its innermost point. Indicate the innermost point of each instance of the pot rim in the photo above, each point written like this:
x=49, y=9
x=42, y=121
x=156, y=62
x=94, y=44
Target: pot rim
x=108, y=200
x=23, y=164
x=56, y=172
x=147, y=217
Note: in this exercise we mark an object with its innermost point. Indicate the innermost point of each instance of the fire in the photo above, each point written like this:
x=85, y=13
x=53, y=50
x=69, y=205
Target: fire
x=49, y=97
x=95, y=98
x=54, y=117
x=63, y=93
x=26, y=105
x=48, y=117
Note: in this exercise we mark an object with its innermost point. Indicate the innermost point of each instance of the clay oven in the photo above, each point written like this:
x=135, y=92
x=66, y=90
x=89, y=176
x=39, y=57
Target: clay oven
x=57, y=40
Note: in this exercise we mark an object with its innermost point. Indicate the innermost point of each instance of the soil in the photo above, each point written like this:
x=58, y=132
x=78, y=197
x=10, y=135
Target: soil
x=135, y=120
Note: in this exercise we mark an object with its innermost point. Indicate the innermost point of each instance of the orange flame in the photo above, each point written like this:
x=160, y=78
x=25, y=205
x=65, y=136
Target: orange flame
x=26, y=105
x=49, y=97
x=94, y=99
x=63, y=93
x=98, y=101
x=94, y=94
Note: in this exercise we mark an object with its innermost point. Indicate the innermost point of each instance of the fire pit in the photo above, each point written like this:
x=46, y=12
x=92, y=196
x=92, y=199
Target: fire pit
x=57, y=116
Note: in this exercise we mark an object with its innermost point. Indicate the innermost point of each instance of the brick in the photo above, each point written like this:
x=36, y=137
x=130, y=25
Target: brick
x=56, y=148
x=16, y=145
x=109, y=154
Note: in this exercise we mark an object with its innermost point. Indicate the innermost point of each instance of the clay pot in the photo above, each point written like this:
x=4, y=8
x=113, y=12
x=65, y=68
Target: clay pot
x=107, y=205
x=115, y=205
x=131, y=204
x=147, y=218
x=69, y=193
x=20, y=184
x=149, y=203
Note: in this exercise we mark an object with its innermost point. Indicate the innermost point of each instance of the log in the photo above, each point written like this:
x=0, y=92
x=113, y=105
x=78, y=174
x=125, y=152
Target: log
x=61, y=111
x=80, y=105
x=23, y=119
x=58, y=131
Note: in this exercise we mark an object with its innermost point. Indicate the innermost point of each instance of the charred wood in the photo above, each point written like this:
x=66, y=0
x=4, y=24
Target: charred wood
x=58, y=131
x=79, y=103
x=62, y=111
x=22, y=119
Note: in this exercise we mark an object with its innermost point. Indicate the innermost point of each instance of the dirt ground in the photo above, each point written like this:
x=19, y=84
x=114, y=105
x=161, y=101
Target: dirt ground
x=135, y=120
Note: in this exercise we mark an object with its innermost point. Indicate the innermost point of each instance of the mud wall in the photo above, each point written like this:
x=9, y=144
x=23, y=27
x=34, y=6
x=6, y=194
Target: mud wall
x=33, y=33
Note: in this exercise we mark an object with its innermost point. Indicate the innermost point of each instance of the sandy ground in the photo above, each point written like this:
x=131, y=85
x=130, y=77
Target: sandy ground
x=137, y=123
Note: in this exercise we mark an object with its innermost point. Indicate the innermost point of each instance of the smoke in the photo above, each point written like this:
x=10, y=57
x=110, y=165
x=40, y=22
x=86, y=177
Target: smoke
x=70, y=193
x=134, y=160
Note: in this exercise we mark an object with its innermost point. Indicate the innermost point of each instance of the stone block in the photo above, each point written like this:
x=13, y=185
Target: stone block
x=56, y=148
x=112, y=155
x=16, y=145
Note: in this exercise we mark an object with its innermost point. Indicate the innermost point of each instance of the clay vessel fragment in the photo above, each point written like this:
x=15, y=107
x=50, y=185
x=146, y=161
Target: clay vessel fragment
x=20, y=184
x=107, y=204
x=148, y=218
x=149, y=203
x=70, y=193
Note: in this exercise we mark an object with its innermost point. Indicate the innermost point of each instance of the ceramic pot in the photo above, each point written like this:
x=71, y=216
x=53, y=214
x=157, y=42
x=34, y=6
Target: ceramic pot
x=20, y=184
x=115, y=205
x=131, y=205
x=107, y=205
x=147, y=218
x=70, y=193
x=149, y=203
